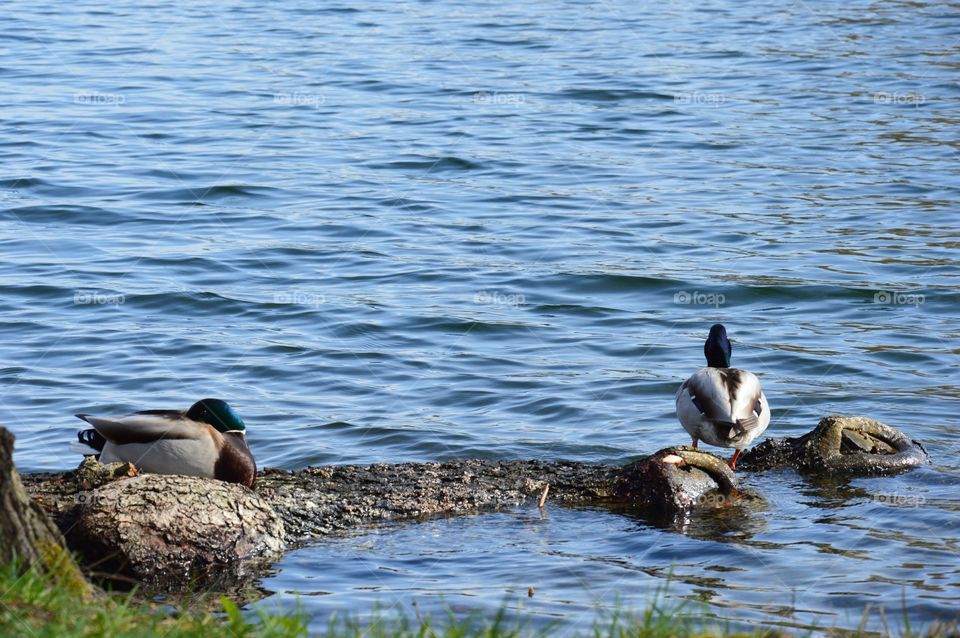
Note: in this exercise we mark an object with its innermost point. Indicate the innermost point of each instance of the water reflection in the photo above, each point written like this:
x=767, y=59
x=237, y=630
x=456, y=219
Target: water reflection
x=719, y=517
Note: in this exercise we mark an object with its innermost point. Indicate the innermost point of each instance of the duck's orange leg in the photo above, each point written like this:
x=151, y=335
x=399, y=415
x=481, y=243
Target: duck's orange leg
x=695, y=443
x=734, y=458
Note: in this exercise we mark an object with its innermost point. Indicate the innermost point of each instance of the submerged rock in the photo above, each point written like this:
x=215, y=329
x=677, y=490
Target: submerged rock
x=848, y=445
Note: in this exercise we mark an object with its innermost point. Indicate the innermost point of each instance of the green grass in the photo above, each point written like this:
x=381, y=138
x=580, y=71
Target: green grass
x=30, y=606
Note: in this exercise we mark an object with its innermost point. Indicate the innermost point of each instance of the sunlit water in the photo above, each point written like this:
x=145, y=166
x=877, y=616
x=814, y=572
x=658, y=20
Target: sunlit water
x=408, y=231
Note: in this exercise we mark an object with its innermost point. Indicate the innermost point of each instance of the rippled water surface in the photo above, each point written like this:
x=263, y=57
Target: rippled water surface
x=394, y=231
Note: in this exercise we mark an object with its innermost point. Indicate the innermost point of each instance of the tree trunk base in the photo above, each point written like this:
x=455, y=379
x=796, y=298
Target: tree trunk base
x=27, y=535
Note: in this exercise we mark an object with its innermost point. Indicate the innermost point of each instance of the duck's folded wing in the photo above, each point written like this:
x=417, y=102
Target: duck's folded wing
x=145, y=427
x=729, y=398
x=709, y=396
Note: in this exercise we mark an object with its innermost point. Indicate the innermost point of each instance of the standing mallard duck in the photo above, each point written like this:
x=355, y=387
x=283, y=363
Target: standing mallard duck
x=724, y=406
x=207, y=440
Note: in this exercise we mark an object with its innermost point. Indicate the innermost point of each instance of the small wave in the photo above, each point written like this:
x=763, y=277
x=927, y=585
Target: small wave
x=574, y=309
x=450, y=325
x=605, y=282
x=431, y=164
x=186, y=302
x=208, y=193
x=35, y=292
x=525, y=43
x=613, y=95
x=67, y=214
x=21, y=183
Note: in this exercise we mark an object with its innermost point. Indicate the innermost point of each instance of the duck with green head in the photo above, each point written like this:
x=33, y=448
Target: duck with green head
x=721, y=405
x=208, y=440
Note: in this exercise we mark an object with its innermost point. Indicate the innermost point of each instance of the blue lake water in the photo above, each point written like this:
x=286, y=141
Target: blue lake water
x=408, y=231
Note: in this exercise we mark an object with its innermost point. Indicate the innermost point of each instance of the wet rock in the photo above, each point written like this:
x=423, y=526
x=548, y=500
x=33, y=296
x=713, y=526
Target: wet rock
x=176, y=530
x=173, y=530
x=840, y=445
x=673, y=480
x=322, y=500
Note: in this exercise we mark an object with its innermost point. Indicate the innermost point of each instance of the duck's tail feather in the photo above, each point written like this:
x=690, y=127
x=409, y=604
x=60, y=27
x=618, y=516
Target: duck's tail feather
x=741, y=427
x=89, y=442
x=748, y=423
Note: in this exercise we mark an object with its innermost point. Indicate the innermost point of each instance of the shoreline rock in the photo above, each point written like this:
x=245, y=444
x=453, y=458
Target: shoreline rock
x=151, y=529
x=840, y=445
x=172, y=530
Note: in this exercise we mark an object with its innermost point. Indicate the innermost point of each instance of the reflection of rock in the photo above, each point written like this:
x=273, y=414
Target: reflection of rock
x=840, y=445
x=734, y=520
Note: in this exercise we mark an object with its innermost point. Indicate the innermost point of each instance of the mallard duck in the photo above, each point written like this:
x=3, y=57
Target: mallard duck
x=720, y=405
x=207, y=440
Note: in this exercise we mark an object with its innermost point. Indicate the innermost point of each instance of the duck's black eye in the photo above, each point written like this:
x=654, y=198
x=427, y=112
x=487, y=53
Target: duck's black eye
x=758, y=408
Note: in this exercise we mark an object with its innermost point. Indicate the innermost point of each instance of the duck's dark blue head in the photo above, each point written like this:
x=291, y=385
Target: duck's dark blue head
x=217, y=413
x=717, y=347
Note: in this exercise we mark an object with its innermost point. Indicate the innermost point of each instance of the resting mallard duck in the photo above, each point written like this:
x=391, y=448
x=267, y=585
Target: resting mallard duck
x=207, y=440
x=721, y=405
